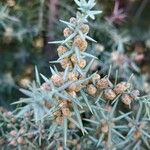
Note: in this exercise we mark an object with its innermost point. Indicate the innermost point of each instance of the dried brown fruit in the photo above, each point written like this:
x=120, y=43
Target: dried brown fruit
x=82, y=63
x=66, y=112
x=105, y=128
x=102, y=83
x=85, y=28
x=121, y=87
x=57, y=79
x=74, y=59
x=109, y=94
x=72, y=76
x=127, y=99
x=11, y=3
x=61, y=50
x=80, y=43
x=67, y=32
x=91, y=89
x=66, y=63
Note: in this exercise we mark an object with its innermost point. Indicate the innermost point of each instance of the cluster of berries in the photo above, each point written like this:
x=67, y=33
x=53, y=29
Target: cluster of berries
x=64, y=106
x=78, y=42
x=64, y=111
x=57, y=80
x=98, y=84
x=15, y=137
x=21, y=131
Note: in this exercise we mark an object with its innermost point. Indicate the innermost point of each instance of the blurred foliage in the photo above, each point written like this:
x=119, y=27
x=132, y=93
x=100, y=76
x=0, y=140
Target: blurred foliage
x=21, y=44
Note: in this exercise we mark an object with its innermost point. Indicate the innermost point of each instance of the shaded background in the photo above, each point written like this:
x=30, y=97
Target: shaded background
x=27, y=26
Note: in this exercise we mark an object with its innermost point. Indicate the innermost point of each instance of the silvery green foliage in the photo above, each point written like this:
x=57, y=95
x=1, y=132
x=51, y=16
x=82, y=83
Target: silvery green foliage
x=99, y=123
x=20, y=29
x=86, y=8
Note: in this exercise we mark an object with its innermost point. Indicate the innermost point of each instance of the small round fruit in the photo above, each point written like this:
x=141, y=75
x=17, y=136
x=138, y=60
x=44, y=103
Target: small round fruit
x=91, y=89
x=61, y=50
x=72, y=76
x=66, y=63
x=74, y=59
x=66, y=112
x=109, y=94
x=102, y=83
x=85, y=28
x=121, y=87
x=105, y=128
x=80, y=43
x=57, y=80
x=82, y=63
x=67, y=32
x=127, y=99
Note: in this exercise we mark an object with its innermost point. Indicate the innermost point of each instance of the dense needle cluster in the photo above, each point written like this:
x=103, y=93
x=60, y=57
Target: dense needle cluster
x=64, y=111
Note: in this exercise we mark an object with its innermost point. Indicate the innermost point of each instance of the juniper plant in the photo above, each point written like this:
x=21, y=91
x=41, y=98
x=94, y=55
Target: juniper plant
x=63, y=111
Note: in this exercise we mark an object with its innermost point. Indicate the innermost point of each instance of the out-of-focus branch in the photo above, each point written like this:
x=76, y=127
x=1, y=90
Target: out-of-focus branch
x=52, y=16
